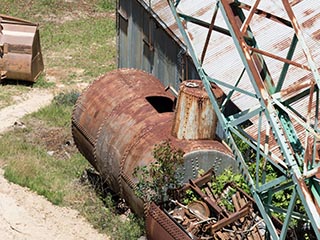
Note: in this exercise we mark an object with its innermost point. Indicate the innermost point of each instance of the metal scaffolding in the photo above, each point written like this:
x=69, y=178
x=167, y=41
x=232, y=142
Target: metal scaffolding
x=282, y=126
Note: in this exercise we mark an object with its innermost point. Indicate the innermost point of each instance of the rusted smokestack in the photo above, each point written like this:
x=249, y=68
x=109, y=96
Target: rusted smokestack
x=195, y=117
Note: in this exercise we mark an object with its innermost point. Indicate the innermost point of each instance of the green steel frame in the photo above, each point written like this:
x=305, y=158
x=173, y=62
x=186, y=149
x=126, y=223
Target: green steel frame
x=296, y=164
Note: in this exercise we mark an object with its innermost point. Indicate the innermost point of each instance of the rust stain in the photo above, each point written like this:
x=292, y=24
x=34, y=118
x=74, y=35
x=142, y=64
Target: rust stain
x=159, y=5
x=308, y=12
x=295, y=2
x=202, y=11
x=159, y=226
x=195, y=117
x=22, y=59
x=283, y=44
x=316, y=34
x=310, y=22
x=298, y=85
x=174, y=27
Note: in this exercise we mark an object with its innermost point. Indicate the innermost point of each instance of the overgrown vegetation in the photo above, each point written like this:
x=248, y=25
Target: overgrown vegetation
x=280, y=199
x=218, y=184
x=160, y=176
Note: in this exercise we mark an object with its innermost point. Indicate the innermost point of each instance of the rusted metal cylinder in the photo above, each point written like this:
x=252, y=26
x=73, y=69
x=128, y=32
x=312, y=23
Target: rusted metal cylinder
x=22, y=59
x=103, y=100
x=195, y=117
x=118, y=120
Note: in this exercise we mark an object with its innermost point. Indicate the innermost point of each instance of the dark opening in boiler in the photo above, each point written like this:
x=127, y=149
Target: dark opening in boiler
x=161, y=104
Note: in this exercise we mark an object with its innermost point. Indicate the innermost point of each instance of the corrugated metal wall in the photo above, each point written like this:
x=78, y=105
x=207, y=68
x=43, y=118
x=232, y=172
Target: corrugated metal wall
x=144, y=44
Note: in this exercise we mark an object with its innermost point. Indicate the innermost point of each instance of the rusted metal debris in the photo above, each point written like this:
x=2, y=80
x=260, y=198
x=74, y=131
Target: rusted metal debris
x=207, y=218
x=21, y=57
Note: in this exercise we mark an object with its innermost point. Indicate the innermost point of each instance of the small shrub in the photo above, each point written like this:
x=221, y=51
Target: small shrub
x=155, y=180
x=227, y=175
x=68, y=99
x=189, y=197
x=218, y=187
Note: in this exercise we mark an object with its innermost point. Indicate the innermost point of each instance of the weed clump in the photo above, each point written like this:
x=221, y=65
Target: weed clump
x=66, y=98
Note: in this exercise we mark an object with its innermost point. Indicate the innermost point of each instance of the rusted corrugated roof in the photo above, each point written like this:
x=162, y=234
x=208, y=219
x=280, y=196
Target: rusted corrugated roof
x=222, y=60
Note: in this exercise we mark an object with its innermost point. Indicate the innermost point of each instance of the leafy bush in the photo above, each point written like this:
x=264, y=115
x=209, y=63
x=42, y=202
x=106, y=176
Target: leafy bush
x=155, y=180
x=189, y=197
x=228, y=176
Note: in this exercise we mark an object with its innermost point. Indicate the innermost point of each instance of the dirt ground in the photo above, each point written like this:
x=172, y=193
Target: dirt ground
x=27, y=103
x=24, y=214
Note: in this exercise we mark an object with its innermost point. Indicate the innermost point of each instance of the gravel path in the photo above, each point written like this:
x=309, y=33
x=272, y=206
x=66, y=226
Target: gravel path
x=24, y=214
x=30, y=102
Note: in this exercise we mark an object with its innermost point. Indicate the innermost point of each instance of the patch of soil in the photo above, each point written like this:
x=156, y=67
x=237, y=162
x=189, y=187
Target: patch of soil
x=56, y=141
x=26, y=215
x=73, y=15
x=30, y=102
x=59, y=143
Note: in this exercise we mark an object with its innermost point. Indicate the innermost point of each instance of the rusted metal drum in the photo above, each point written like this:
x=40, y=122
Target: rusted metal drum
x=195, y=117
x=118, y=120
x=22, y=59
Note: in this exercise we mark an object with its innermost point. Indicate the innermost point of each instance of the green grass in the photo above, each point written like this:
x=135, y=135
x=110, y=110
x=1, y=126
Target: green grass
x=43, y=174
x=78, y=44
x=42, y=83
x=112, y=223
x=25, y=151
x=58, y=114
x=103, y=5
x=57, y=179
x=77, y=38
x=82, y=44
x=24, y=154
x=36, y=10
x=8, y=94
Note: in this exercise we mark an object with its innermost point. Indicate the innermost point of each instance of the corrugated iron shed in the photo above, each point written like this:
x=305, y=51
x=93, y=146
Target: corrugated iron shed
x=143, y=43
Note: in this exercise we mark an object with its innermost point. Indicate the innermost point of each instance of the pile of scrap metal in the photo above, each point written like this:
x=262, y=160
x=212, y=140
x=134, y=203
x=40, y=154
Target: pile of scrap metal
x=208, y=217
x=20, y=50
x=229, y=214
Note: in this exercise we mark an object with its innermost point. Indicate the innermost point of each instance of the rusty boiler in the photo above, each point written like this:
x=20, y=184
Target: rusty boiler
x=21, y=50
x=120, y=117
